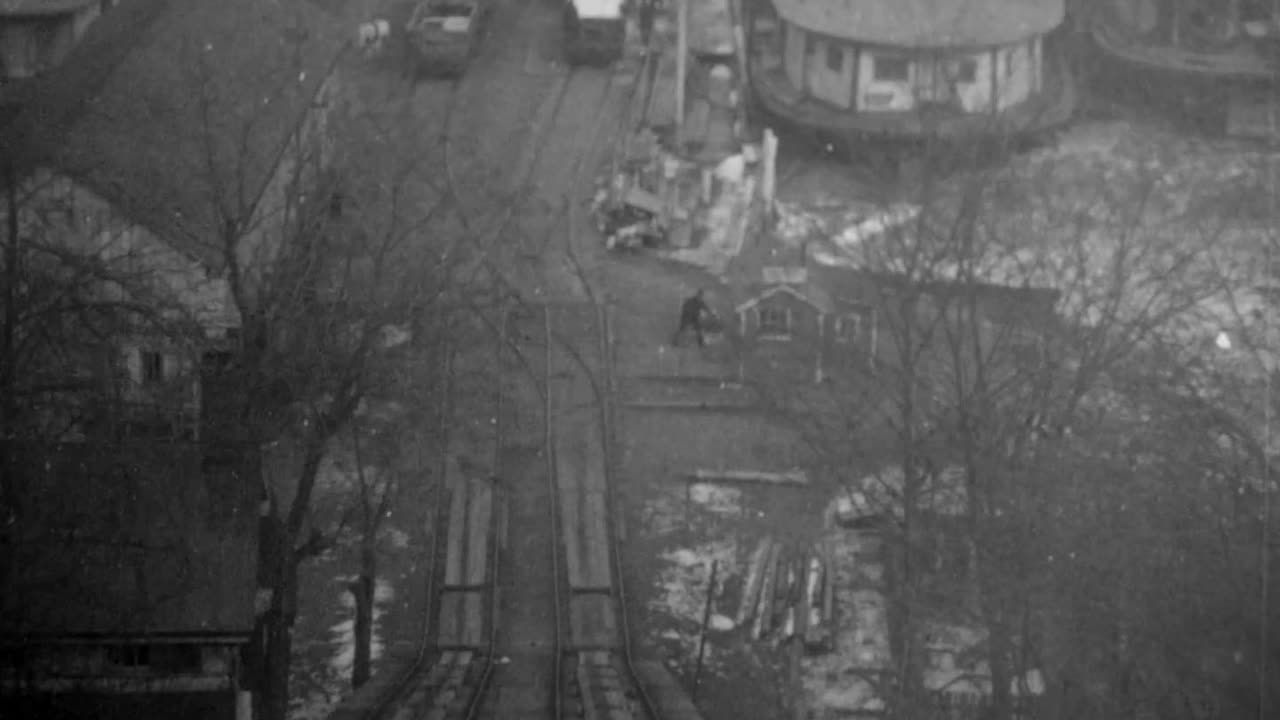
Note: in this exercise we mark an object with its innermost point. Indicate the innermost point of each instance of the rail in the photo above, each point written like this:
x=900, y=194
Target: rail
x=479, y=242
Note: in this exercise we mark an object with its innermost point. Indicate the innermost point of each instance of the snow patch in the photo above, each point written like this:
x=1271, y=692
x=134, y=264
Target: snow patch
x=343, y=633
x=846, y=680
x=716, y=498
x=681, y=592
x=397, y=538
x=721, y=623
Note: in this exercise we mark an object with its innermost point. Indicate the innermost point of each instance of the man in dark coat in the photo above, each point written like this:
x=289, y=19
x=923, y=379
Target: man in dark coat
x=691, y=318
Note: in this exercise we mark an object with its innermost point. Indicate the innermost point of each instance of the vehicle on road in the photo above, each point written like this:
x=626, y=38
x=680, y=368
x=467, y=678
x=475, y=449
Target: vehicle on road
x=444, y=35
x=594, y=31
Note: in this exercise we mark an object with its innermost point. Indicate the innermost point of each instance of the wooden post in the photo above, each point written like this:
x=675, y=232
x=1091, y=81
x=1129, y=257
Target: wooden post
x=688, y=502
x=706, y=621
x=798, y=709
x=682, y=53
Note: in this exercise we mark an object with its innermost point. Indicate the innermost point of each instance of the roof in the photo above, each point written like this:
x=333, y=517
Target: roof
x=845, y=290
x=925, y=23
x=130, y=540
x=171, y=110
x=34, y=8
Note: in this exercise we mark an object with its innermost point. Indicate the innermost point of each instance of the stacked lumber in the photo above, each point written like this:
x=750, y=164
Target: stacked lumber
x=788, y=594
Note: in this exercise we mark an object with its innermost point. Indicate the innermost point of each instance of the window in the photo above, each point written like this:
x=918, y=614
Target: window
x=964, y=71
x=775, y=322
x=848, y=328
x=835, y=57
x=152, y=367
x=888, y=68
x=129, y=656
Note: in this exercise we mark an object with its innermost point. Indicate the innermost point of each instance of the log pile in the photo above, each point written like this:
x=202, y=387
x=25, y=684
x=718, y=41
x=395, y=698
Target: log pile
x=788, y=595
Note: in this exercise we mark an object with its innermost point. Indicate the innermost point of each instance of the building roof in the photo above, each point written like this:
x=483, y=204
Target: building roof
x=171, y=111
x=925, y=23
x=131, y=540
x=35, y=8
x=846, y=290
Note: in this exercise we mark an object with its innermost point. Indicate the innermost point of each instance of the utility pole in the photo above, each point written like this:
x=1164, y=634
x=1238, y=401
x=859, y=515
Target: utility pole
x=682, y=54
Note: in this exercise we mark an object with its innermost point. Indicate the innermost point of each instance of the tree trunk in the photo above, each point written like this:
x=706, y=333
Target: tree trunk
x=998, y=658
x=279, y=573
x=8, y=339
x=278, y=651
x=362, y=591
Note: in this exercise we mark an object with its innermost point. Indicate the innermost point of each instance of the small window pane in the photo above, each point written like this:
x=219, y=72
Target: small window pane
x=891, y=69
x=965, y=70
x=775, y=321
x=835, y=57
x=152, y=367
x=848, y=328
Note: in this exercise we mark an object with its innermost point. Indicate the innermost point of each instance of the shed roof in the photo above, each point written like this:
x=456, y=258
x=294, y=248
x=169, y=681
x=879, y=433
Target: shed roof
x=130, y=540
x=845, y=290
x=925, y=23
x=171, y=111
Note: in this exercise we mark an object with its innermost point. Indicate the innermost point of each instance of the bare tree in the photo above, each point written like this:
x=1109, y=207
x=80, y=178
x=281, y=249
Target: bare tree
x=976, y=377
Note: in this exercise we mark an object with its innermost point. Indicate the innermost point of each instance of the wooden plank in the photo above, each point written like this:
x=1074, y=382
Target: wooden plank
x=457, y=524
x=672, y=701
x=450, y=625
x=764, y=611
x=596, y=540
x=755, y=577
x=473, y=623
x=570, y=520
x=592, y=622
x=585, y=687
x=478, y=526
x=793, y=477
x=828, y=588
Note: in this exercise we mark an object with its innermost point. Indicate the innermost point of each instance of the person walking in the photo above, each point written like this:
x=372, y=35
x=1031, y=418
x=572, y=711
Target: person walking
x=691, y=312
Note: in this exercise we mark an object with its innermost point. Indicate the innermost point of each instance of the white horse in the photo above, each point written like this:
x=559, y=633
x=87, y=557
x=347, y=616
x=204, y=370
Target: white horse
x=373, y=35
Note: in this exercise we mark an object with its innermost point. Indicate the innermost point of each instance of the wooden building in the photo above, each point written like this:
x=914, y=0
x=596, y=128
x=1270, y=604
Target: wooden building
x=130, y=585
x=131, y=564
x=909, y=69
x=805, y=322
x=36, y=35
x=1212, y=63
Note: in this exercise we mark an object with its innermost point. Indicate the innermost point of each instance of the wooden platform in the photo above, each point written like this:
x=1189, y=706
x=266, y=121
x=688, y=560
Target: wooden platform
x=593, y=624
x=463, y=615
x=670, y=700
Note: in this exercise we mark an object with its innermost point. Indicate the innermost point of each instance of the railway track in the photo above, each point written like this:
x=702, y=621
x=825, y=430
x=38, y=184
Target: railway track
x=528, y=616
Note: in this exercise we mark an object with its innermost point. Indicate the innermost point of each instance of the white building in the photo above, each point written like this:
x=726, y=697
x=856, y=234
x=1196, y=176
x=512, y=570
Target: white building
x=910, y=68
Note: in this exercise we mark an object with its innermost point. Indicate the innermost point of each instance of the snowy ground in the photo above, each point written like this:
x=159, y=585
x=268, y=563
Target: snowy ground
x=678, y=529
x=847, y=679
x=324, y=650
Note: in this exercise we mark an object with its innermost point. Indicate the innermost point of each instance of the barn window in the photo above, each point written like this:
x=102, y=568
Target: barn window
x=891, y=68
x=775, y=322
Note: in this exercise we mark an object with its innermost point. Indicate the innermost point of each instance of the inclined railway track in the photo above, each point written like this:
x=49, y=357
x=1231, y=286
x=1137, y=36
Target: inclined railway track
x=528, y=615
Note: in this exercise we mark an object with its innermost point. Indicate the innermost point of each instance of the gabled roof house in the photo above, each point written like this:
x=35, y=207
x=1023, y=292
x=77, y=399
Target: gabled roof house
x=170, y=137
x=800, y=320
